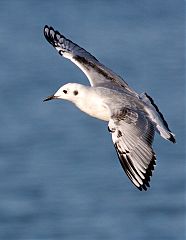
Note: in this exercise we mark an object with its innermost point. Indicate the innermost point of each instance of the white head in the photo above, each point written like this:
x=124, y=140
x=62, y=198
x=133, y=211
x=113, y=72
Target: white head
x=70, y=91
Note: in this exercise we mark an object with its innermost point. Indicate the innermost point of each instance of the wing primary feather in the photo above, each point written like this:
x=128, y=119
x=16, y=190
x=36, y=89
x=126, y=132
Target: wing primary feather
x=96, y=72
x=133, y=174
x=132, y=135
x=126, y=167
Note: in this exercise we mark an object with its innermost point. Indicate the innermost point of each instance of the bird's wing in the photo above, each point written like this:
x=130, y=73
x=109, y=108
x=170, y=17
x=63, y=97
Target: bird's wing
x=97, y=73
x=132, y=135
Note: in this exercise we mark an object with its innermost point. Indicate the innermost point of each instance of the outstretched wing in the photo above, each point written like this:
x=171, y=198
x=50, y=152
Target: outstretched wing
x=97, y=73
x=132, y=135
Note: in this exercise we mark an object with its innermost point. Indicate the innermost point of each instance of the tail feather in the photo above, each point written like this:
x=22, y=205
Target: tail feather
x=157, y=117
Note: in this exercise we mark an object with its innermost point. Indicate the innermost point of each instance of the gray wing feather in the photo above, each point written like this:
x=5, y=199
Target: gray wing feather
x=132, y=135
x=97, y=73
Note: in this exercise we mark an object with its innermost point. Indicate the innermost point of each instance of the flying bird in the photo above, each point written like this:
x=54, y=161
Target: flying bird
x=132, y=118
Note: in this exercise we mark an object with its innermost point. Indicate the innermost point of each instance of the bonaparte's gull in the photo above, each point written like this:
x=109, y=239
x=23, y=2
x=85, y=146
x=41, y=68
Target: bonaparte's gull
x=132, y=118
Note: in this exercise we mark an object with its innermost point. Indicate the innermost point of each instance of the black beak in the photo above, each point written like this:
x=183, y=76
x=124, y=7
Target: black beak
x=49, y=98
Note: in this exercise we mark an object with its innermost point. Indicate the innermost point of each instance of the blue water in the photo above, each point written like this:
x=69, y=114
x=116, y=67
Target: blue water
x=59, y=174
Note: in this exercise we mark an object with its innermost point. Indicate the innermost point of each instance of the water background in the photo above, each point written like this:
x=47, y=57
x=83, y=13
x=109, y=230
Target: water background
x=59, y=174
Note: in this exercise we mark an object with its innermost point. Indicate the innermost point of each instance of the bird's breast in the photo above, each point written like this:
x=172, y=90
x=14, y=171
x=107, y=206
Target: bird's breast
x=95, y=107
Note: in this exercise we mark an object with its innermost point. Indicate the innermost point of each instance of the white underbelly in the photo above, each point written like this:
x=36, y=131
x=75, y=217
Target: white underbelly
x=95, y=109
x=101, y=113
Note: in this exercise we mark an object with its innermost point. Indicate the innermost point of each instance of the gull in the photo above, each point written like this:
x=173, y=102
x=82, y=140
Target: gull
x=132, y=118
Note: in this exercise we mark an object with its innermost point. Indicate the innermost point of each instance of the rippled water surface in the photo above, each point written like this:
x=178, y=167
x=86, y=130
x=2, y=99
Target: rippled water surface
x=59, y=174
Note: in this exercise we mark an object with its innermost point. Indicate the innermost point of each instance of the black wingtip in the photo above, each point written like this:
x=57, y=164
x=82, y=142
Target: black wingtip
x=172, y=138
x=150, y=169
x=129, y=170
x=44, y=30
x=144, y=187
x=48, y=34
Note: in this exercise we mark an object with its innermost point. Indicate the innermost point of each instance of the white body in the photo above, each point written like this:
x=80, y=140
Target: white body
x=132, y=118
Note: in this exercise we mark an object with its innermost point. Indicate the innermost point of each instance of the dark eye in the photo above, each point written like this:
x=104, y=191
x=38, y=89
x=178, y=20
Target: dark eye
x=75, y=92
x=65, y=91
